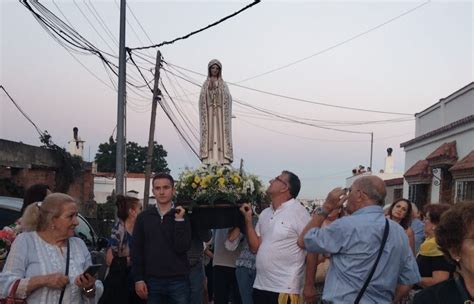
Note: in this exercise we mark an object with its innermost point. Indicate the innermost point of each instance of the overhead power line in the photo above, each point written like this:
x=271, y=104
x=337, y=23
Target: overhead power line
x=68, y=37
x=167, y=110
x=295, y=120
x=139, y=24
x=337, y=44
x=200, y=30
x=292, y=98
x=41, y=133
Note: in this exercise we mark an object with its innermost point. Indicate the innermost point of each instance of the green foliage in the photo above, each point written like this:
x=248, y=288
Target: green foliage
x=9, y=188
x=106, y=215
x=214, y=184
x=107, y=210
x=136, y=157
x=105, y=157
x=71, y=166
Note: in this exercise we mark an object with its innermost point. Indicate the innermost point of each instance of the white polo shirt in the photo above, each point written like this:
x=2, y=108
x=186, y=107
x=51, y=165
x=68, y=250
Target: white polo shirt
x=280, y=262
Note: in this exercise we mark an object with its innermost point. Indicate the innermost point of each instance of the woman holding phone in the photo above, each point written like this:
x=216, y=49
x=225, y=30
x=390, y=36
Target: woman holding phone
x=47, y=264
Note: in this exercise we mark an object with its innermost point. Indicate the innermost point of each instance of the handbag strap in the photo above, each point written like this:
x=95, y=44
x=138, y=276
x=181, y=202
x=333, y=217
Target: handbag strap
x=14, y=288
x=67, y=271
x=382, y=245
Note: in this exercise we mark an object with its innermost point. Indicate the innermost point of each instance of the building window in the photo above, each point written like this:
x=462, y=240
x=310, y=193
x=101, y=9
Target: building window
x=418, y=194
x=397, y=194
x=464, y=191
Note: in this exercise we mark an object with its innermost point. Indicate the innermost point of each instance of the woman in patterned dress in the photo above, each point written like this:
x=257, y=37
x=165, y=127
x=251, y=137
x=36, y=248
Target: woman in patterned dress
x=38, y=258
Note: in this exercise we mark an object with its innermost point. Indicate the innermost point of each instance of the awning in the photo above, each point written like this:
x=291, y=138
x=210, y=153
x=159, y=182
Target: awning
x=464, y=167
x=420, y=172
x=444, y=156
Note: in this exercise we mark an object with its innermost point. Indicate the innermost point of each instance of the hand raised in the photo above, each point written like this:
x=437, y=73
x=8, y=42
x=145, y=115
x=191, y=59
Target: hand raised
x=246, y=210
x=335, y=199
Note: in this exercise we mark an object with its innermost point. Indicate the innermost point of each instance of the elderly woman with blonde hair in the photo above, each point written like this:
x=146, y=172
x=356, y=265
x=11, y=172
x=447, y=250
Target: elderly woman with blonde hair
x=47, y=264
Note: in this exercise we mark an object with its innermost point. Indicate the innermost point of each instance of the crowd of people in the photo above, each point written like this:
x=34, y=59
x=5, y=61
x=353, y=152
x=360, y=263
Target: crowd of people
x=347, y=251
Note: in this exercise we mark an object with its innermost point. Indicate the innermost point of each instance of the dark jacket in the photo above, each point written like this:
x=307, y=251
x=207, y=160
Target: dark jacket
x=160, y=245
x=446, y=292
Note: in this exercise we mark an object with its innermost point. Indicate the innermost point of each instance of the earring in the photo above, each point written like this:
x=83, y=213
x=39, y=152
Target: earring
x=457, y=259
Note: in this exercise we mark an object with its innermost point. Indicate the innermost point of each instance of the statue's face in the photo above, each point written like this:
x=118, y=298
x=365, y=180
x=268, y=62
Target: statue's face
x=215, y=70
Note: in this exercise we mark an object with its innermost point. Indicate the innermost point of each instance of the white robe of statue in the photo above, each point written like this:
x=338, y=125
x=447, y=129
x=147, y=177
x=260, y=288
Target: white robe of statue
x=215, y=113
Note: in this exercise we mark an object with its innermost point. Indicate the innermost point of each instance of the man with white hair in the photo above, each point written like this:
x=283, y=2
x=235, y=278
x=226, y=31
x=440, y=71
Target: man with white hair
x=371, y=259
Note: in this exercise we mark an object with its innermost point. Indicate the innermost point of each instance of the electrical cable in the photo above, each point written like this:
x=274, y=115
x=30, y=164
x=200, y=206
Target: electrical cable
x=299, y=99
x=199, y=30
x=139, y=24
x=272, y=113
x=165, y=109
x=337, y=44
x=92, y=26
x=41, y=133
x=101, y=22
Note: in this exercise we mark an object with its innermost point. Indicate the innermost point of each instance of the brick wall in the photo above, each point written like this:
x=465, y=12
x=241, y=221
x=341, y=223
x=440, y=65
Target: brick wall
x=82, y=188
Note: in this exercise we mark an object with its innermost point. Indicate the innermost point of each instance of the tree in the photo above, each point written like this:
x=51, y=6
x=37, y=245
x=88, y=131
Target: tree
x=136, y=157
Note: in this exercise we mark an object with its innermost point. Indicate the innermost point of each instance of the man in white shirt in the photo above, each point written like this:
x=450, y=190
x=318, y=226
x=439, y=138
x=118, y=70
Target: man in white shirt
x=280, y=262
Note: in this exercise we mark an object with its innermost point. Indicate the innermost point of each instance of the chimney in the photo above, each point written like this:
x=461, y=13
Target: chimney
x=75, y=130
x=389, y=161
x=76, y=145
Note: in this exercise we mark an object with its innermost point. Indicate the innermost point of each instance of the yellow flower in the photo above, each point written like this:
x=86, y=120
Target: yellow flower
x=197, y=179
x=221, y=181
x=194, y=185
x=220, y=172
x=204, y=183
x=236, y=179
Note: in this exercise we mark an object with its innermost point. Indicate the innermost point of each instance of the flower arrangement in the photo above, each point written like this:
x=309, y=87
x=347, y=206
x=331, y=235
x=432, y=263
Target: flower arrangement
x=214, y=184
x=7, y=236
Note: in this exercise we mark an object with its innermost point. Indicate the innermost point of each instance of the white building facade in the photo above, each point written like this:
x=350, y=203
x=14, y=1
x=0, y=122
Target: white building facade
x=439, y=161
x=104, y=184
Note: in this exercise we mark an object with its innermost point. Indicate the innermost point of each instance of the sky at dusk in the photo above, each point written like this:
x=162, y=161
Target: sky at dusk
x=374, y=55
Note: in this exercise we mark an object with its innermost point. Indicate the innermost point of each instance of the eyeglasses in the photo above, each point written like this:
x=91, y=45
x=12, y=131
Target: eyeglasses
x=280, y=180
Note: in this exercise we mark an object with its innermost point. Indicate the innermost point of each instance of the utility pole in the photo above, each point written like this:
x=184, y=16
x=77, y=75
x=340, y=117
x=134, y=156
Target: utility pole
x=371, y=149
x=151, y=136
x=120, y=159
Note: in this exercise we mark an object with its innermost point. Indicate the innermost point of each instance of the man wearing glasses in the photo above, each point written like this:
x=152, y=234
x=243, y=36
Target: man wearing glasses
x=280, y=262
x=354, y=243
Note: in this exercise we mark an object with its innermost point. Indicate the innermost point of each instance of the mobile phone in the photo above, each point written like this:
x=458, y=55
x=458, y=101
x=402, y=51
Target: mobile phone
x=93, y=269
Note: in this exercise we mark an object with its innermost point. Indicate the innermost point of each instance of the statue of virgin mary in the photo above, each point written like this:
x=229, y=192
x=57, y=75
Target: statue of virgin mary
x=215, y=113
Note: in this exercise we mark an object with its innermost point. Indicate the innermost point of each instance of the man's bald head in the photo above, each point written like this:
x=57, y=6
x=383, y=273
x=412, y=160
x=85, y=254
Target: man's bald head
x=374, y=187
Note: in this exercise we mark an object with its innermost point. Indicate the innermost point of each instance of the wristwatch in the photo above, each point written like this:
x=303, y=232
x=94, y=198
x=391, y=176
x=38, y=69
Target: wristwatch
x=320, y=211
x=89, y=292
